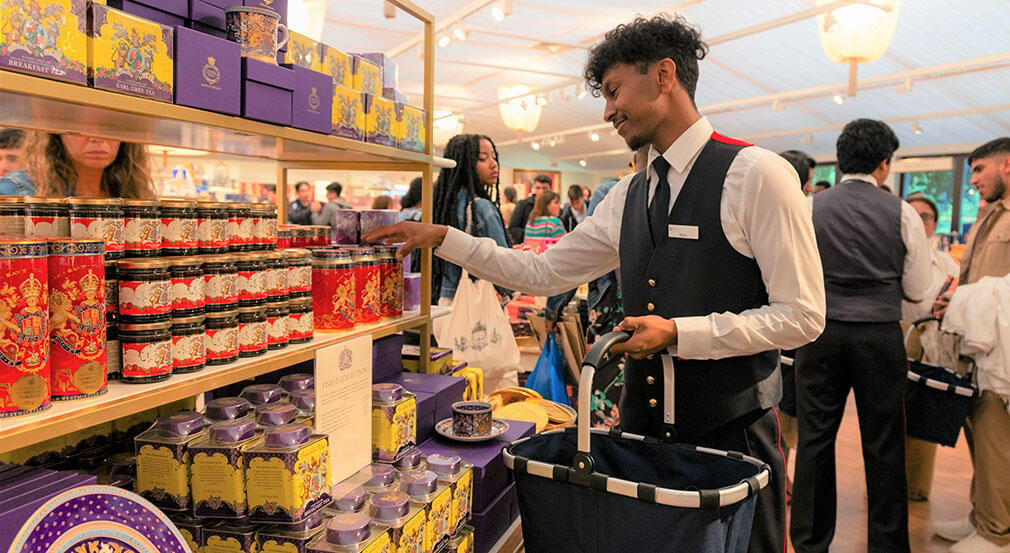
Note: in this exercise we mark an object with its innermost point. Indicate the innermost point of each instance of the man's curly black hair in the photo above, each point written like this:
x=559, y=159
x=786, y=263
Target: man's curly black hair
x=644, y=42
x=863, y=145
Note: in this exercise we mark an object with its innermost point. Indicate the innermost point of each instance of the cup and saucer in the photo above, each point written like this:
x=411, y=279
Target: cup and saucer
x=471, y=422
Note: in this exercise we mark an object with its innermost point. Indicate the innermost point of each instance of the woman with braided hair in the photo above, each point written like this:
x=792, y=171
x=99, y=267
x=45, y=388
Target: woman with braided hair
x=463, y=199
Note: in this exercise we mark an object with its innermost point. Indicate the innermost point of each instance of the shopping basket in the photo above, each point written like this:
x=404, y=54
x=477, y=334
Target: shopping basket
x=623, y=492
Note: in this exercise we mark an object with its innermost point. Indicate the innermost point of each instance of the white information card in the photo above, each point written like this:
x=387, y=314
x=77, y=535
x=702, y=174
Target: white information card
x=344, y=403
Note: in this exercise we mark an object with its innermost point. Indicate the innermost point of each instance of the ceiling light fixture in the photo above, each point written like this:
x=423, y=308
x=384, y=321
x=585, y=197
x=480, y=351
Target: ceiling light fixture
x=501, y=10
x=858, y=32
x=552, y=142
x=444, y=41
x=594, y=136
x=518, y=108
x=459, y=34
x=582, y=162
x=838, y=98
x=542, y=100
x=916, y=129
x=535, y=145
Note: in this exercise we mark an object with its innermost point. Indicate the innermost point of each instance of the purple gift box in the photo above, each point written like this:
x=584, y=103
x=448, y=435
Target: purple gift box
x=312, y=100
x=267, y=91
x=345, y=226
x=448, y=389
x=208, y=72
x=411, y=291
x=372, y=219
x=13, y=516
x=167, y=12
x=387, y=68
x=394, y=95
x=387, y=359
x=490, y=524
x=66, y=61
x=206, y=14
x=426, y=407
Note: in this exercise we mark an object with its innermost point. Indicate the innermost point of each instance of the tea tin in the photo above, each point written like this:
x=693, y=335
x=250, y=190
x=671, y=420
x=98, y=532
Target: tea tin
x=24, y=340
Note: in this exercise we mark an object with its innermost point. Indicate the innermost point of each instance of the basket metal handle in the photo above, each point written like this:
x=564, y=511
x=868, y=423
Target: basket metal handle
x=595, y=358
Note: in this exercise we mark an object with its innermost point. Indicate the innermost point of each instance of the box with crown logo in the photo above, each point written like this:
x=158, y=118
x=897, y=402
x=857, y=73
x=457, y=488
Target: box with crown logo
x=130, y=54
x=50, y=41
x=266, y=91
x=208, y=72
x=312, y=101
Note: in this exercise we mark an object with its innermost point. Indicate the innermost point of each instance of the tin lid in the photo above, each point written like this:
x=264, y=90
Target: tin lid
x=195, y=319
x=218, y=258
x=232, y=431
x=178, y=203
x=348, y=498
x=286, y=435
x=276, y=414
x=411, y=459
x=258, y=394
x=385, y=251
x=185, y=261
x=303, y=399
x=42, y=200
x=111, y=202
x=444, y=465
x=76, y=246
x=12, y=199
x=211, y=205
x=145, y=327
x=181, y=424
x=134, y=263
x=377, y=475
x=330, y=254
x=419, y=484
x=227, y=408
x=389, y=505
x=362, y=251
x=130, y=202
x=297, y=381
x=386, y=392
x=297, y=253
x=348, y=529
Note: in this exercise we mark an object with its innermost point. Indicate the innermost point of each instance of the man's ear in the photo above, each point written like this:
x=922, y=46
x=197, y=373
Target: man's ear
x=666, y=74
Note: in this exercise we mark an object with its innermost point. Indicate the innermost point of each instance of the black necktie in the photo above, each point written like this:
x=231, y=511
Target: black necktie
x=659, y=209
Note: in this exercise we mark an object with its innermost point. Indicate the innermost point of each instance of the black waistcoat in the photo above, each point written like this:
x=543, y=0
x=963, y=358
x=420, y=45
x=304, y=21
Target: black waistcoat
x=683, y=277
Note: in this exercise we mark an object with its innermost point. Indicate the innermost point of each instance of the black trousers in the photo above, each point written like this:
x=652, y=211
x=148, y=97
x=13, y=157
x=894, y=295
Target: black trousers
x=869, y=359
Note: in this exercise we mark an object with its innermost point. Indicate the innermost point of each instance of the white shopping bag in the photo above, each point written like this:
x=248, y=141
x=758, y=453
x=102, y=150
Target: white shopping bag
x=478, y=331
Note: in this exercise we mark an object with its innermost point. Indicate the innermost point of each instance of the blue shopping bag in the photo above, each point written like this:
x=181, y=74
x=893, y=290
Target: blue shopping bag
x=548, y=377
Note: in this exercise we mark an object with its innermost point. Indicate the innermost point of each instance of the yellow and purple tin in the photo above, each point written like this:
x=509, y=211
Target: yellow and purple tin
x=288, y=474
x=394, y=421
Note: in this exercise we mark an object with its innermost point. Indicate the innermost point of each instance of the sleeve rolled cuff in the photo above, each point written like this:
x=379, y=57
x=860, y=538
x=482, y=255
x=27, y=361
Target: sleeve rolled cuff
x=694, y=338
x=455, y=246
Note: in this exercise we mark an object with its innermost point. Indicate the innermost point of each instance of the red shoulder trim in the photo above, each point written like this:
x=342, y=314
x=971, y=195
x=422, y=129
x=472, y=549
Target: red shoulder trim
x=727, y=140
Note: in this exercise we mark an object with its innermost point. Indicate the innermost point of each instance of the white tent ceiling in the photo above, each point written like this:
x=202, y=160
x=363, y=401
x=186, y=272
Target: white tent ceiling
x=947, y=70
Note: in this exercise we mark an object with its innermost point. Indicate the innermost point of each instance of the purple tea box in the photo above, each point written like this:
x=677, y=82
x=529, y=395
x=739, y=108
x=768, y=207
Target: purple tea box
x=28, y=489
x=345, y=226
x=411, y=291
x=51, y=41
x=426, y=404
x=207, y=15
x=208, y=72
x=388, y=72
x=130, y=54
x=279, y=6
x=11, y=520
x=223, y=3
x=380, y=118
x=349, y=113
x=387, y=361
x=312, y=101
x=490, y=524
x=409, y=128
x=267, y=91
x=167, y=12
x=372, y=219
x=394, y=95
x=365, y=76
x=448, y=389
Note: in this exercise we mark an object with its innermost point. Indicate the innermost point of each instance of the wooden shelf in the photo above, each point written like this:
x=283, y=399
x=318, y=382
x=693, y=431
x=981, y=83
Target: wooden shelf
x=64, y=417
x=42, y=104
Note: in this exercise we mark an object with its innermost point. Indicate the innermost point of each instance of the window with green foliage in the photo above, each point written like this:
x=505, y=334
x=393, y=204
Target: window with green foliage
x=937, y=186
x=825, y=172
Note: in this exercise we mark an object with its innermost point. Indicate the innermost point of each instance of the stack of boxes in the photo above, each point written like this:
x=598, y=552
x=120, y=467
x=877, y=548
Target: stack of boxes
x=25, y=489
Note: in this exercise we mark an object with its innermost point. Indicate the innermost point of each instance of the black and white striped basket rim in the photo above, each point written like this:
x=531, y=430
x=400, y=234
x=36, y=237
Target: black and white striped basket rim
x=942, y=386
x=689, y=499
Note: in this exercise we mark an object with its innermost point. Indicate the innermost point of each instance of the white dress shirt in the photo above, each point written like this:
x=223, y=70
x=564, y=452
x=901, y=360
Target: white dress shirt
x=942, y=267
x=764, y=216
x=917, y=276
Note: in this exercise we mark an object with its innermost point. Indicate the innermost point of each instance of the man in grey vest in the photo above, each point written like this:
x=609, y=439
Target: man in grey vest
x=718, y=260
x=874, y=252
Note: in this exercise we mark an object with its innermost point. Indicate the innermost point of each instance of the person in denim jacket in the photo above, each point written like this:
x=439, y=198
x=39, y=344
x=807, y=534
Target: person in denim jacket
x=463, y=193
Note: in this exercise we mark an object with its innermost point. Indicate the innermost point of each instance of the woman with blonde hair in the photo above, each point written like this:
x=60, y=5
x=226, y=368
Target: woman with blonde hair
x=71, y=165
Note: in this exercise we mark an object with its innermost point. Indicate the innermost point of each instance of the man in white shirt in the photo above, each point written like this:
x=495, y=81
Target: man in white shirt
x=718, y=273
x=874, y=252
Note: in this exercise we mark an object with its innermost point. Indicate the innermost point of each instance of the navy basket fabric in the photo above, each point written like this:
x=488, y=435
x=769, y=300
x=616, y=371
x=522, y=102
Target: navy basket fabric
x=935, y=415
x=564, y=517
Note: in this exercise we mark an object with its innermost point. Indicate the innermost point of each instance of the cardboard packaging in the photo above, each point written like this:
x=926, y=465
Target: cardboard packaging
x=447, y=389
x=288, y=475
x=208, y=72
x=208, y=18
x=490, y=524
x=409, y=128
x=129, y=54
x=349, y=113
x=387, y=361
x=311, y=101
x=441, y=358
x=337, y=65
x=365, y=76
x=166, y=12
x=426, y=404
x=388, y=72
x=380, y=118
x=395, y=95
x=303, y=52
x=267, y=90
x=51, y=42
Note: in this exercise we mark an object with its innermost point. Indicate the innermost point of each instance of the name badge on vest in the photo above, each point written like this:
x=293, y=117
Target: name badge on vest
x=685, y=232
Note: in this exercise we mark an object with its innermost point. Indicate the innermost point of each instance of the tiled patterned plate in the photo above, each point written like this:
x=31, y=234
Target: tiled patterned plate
x=498, y=427
x=99, y=518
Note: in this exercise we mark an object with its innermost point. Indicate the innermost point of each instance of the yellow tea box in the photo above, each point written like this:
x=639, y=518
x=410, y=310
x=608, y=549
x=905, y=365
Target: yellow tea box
x=304, y=52
x=380, y=118
x=288, y=474
x=352, y=533
x=349, y=113
x=366, y=76
x=163, y=459
x=462, y=500
x=337, y=65
x=451, y=470
x=461, y=541
x=437, y=515
x=474, y=383
x=217, y=471
x=290, y=538
x=45, y=38
x=130, y=54
x=228, y=538
x=394, y=421
x=409, y=128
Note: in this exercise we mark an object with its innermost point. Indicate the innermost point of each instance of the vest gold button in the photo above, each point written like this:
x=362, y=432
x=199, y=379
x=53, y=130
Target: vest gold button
x=653, y=403
x=650, y=307
x=650, y=380
x=652, y=283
